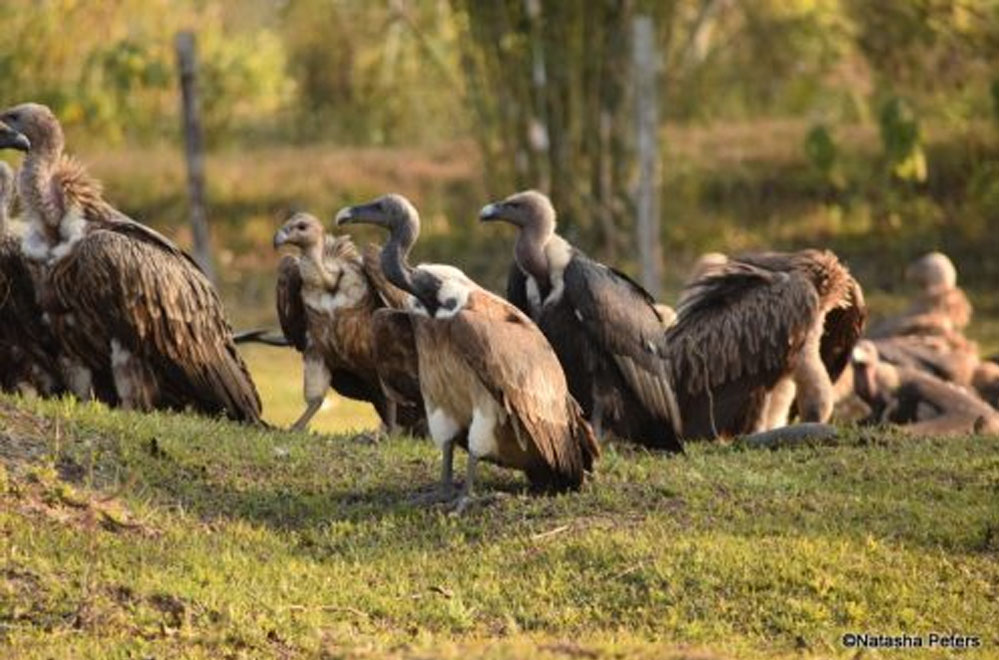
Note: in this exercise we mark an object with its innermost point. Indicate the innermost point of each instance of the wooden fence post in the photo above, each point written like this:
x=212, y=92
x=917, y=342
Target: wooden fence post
x=644, y=63
x=194, y=151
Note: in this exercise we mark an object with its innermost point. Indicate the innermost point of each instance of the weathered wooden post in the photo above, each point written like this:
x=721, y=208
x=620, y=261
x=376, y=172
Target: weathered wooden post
x=644, y=61
x=194, y=151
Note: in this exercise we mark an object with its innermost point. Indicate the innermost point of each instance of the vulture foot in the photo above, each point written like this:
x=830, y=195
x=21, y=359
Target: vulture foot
x=439, y=495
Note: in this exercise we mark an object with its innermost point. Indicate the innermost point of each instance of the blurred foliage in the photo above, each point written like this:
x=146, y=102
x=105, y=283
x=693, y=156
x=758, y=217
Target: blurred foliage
x=772, y=112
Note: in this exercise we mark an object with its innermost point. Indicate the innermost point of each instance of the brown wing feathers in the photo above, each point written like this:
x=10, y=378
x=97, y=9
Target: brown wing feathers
x=530, y=384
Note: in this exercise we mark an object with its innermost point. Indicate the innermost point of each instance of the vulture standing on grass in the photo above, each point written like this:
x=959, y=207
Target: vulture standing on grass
x=921, y=402
x=28, y=351
x=141, y=324
x=604, y=327
x=759, y=334
x=328, y=297
x=486, y=372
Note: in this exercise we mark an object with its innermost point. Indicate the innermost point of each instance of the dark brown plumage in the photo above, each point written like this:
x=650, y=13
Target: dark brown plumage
x=604, y=327
x=28, y=350
x=487, y=374
x=329, y=298
x=755, y=334
x=140, y=324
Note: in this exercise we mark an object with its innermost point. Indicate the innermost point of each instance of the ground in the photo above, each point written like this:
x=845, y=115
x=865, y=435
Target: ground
x=126, y=535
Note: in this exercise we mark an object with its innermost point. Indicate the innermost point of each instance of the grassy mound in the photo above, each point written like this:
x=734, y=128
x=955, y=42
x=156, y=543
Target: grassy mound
x=126, y=535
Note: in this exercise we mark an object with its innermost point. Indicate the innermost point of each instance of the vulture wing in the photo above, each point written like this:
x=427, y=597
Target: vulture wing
x=161, y=308
x=735, y=331
x=395, y=350
x=290, y=308
x=515, y=362
x=516, y=289
x=621, y=318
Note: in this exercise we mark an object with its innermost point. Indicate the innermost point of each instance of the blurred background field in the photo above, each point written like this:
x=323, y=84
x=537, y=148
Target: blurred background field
x=868, y=128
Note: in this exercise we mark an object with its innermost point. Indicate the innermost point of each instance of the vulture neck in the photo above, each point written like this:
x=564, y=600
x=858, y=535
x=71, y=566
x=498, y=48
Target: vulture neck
x=395, y=255
x=529, y=250
x=313, y=253
x=36, y=181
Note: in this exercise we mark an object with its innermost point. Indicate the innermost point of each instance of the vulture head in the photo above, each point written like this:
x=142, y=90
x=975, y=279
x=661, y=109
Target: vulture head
x=30, y=126
x=302, y=230
x=873, y=380
x=932, y=273
x=528, y=210
x=393, y=212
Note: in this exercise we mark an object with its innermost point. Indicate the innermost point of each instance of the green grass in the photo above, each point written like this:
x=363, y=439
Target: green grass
x=126, y=535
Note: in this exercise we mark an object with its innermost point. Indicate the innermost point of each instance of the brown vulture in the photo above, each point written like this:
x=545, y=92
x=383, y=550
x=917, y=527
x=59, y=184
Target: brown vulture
x=140, y=323
x=28, y=350
x=486, y=371
x=760, y=333
x=604, y=327
x=940, y=307
x=921, y=402
x=328, y=299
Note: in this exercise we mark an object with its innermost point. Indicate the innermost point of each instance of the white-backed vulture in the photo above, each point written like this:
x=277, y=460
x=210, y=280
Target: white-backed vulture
x=759, y=333
x=28, y=351
x=141, y=324
x=922, y=403
x=327, y=297
x=486, y=371
x=939, y=307
x=603, y=326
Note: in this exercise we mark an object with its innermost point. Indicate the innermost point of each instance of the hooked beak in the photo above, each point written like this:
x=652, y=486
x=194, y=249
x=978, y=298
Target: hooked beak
x=11, y=139
x=280, y=238
x=491, y=212
x=360, y=214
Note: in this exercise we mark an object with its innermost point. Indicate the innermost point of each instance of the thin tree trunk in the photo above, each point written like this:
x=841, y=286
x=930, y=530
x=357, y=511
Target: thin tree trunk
x=195, y=153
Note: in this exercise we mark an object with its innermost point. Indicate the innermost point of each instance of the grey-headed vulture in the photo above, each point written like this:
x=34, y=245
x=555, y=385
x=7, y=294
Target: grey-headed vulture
x=328, y=297
x=140, y=323
x=604, y=327
x=28, y=350
x=486, y=371
x=760, y=333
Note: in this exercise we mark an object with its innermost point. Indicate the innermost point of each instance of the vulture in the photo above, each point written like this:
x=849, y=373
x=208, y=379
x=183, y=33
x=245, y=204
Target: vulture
x=328, y=296
x=489, y=379
x=28, y=350
x=759, y=335
x=948, y=356
x=940, y=306
x=140, y=324
x=921, y=402
x=604, y=327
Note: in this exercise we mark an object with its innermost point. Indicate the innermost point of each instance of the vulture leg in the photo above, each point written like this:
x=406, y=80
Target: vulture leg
x=778, y=405
x=467, y=497
x=133, y=381
x=391, y=417
x=445, y=491
x=815, y=389
x=311, y=409
x=317, y=380
x=79, y=378
x=597, y=417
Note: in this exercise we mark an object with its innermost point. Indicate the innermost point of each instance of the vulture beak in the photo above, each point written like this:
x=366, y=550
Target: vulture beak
x=11, y=139
x=280, y=238
x=360, y=214
x=490, y=212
